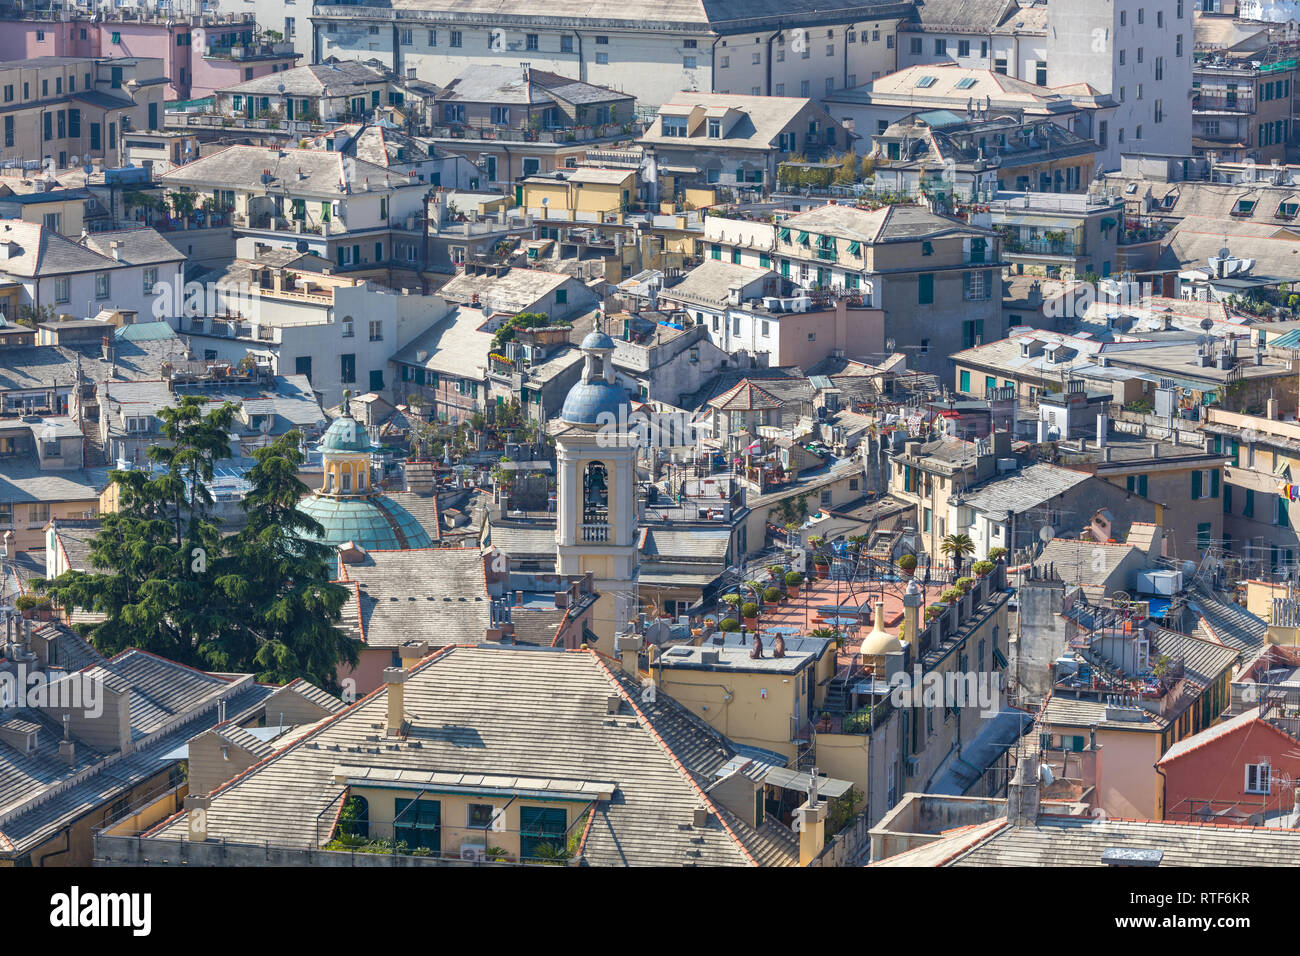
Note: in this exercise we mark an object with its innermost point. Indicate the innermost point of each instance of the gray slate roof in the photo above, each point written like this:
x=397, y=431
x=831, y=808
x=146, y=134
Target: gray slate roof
x=398, y=595
x=500, y=711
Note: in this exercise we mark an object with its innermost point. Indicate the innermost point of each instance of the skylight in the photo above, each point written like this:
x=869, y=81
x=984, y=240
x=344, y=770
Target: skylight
x=966, y=82
x=925, y=82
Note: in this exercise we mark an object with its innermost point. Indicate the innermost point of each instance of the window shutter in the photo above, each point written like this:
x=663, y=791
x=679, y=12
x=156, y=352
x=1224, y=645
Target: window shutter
x=1214, y=484
x=1196, y=484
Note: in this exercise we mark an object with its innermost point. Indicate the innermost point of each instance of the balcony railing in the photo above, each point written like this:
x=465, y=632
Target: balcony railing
x=594, y=533
x=1226, y=102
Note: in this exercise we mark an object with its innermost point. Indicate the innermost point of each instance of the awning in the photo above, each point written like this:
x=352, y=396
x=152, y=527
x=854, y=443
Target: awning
x=783, y=235
x=854, y=248
x=827, y=787
x=803, y=238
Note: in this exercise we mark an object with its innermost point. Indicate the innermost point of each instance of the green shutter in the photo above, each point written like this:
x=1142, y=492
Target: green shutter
x=1196, y=484
x=783, y=235
x=854, y=248
x=1214, y=484
x=965, y=382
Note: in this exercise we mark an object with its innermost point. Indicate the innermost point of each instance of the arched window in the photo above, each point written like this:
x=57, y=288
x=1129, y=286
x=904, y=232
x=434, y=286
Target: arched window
x=595, y=494
x=354, y=820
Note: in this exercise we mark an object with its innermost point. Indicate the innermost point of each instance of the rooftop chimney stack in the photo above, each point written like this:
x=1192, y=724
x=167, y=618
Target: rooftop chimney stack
x=395, y=683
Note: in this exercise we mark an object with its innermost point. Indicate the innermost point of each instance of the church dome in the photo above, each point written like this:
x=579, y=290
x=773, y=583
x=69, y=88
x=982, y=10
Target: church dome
x=345, y=434
x=596, y=394
x=596, y=341
x=375, y=522
x=587, y=401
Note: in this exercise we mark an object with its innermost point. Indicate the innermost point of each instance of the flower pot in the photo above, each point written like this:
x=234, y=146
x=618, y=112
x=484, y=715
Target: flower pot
x=44, y=614
x=750, y=622
x=792, y=590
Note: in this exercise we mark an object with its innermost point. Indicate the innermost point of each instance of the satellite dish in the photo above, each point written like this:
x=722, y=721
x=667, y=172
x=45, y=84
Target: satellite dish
x=1046, y=533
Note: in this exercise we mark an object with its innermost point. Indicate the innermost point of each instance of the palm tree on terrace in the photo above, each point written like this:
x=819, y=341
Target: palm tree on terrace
x=956, y=547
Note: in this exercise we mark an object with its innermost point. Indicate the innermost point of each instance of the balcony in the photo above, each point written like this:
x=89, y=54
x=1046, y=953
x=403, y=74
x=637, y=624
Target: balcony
x=594, y=533
x=250, y=51
x=1214, y=102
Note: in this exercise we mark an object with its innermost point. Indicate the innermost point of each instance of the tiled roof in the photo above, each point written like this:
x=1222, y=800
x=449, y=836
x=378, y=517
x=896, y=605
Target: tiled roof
x=504, y=711
x=747, y=396
x=434, y=594
x=1075, y=841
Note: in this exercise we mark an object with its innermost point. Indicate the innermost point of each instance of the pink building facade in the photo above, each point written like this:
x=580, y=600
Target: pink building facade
x=199, y=56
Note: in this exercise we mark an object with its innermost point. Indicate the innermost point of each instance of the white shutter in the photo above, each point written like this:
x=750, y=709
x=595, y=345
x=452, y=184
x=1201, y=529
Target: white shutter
x=498, y=819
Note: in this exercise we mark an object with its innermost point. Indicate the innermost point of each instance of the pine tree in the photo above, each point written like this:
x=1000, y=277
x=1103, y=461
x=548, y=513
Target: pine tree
x=277, y=568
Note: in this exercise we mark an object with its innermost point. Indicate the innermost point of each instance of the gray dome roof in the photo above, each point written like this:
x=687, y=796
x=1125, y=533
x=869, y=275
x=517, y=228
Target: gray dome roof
x=587, y=401
x=345, y=435
x=596, y=340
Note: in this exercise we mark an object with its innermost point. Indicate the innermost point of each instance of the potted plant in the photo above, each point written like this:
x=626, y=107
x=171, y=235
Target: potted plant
x=772, y=596
x=792, y=582
x=965, y=585
x=997, y=554
x=983, y=568
x=956, y=547
x=933, y=611
x=951, y=595
x=749, y=614
x=907, y=564
x=777, y=572
x=34, y=606
x=730, y=625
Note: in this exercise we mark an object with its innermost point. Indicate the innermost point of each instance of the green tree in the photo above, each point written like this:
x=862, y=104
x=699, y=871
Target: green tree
x=156, y=549
x=957, y=547
x=278, y=572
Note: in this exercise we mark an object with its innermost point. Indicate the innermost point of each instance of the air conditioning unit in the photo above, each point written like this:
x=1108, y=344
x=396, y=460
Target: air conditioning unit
x=473, y=852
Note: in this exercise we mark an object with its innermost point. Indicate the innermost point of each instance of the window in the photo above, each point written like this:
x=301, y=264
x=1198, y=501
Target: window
x=101, y=285
x=501, y=115
x=756, y=58
x=561, y=296
x=457, y=38
x=1000, y=65
x=376, y=330
x=1040, y=73
x=602, y=58
x=62, y=289
x=915, y=46
x=1282, y=516
x=150, y=279
x=1259, y=779
x=1178, y=46
x=418, y=823
x=117, y=37
x=925, y=288
x=39, y=514
x=479, y=816
x=406, y=38
x=963, y=48
x=724, y=62
x=347, y=368
x=940, y=47
x=688, y=63
x=1205, y=484
x=541, y=826
x=690, y=44
x=1248, y=507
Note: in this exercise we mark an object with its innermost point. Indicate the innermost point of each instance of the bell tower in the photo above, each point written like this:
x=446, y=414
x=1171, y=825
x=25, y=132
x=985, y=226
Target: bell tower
x=596, y=490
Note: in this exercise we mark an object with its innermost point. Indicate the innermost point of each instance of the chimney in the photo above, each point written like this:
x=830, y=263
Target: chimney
x=1022, y=794
x=700, y=818
x=116, y=246
x=1271, y=408
x=196, y=807
x=395, y=683
x=412, y=652
x=913, y=598
x=628, y=647
x=1155, y=449
x=1103, y=425
x=812, y=823
x=68, y=746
